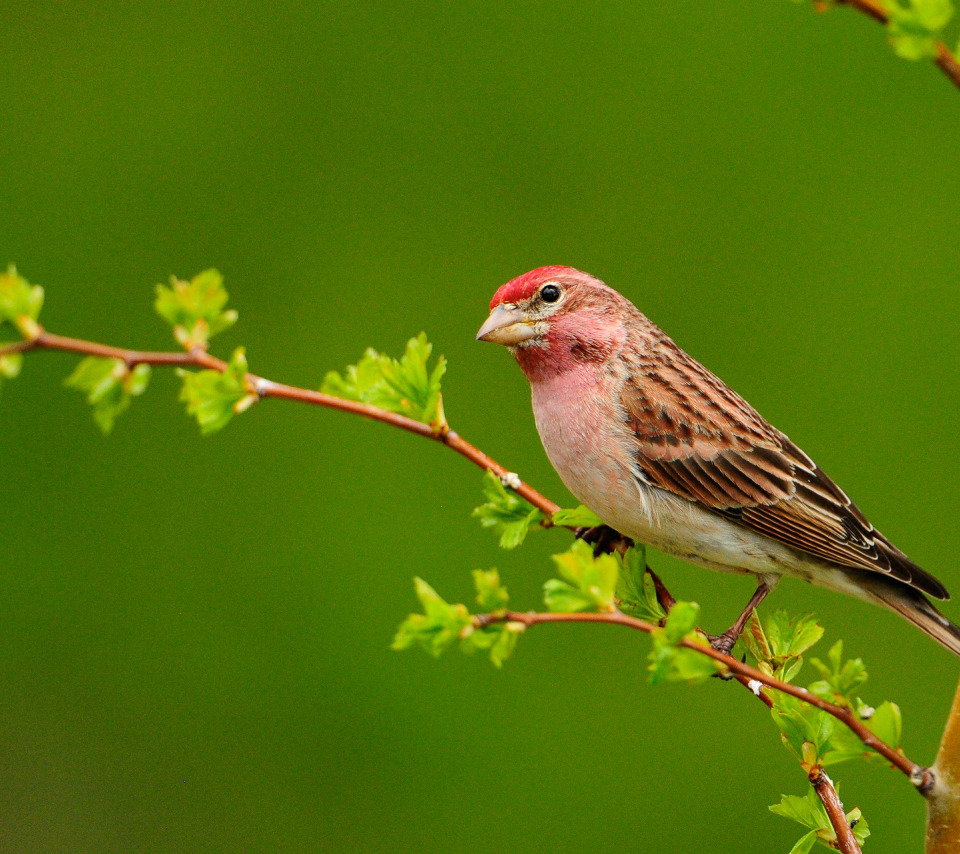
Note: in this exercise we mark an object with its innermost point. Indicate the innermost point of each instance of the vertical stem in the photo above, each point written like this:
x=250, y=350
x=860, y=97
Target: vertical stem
x=943, y=800
x=823, y=786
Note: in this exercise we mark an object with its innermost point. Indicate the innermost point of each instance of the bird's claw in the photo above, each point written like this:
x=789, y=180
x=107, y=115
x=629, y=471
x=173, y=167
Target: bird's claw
x=604, y=539
x=724, y=643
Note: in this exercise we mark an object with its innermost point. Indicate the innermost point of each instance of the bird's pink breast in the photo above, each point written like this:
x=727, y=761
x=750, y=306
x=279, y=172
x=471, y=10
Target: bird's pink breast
x=581, y=433
x=587, y=443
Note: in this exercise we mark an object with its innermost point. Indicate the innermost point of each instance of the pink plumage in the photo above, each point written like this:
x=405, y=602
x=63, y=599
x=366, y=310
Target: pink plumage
x=666, y=454
x=526, y=285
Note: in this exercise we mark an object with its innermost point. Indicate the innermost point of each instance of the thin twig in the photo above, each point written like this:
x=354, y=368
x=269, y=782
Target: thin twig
x=198, y=357
x=262, y=387
x=921, y=777
x=943, y=58
x=823, y=786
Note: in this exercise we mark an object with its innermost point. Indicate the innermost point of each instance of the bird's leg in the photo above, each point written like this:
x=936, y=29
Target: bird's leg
x=664, y=596
x=725, y=642
x=604, y=539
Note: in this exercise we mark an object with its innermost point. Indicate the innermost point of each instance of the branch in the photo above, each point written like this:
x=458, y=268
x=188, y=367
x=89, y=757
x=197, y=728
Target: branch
x=943, y=57
x=921, y=777
x=200, y=358
x=943, y=801
x=823, y=786
x=748, y=676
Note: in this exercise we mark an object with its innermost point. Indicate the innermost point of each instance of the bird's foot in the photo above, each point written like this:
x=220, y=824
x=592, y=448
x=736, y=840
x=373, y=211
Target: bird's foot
x=604, y=539
x=724, y=643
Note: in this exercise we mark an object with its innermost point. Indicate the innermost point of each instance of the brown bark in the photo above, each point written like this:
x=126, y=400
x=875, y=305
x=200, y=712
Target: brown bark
x=943, y=799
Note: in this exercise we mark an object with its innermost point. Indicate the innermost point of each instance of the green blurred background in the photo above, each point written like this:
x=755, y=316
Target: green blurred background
x=195, y=632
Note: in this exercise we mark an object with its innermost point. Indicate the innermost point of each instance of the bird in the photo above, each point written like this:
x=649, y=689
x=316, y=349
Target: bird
x=664, y=452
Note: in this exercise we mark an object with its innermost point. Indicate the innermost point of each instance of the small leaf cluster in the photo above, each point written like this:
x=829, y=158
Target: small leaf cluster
x=109, y=386
x=587, y=582
x=917, y=25
x=815, y=738
x=914, y=26
x=808, y=810
x=578, y=517
x=778, y=643
x=670, y=662
x=20, y=304
x=10, y=366
x=442, y=624
x=507, y=513
x=196, y=309
x=405, y=386
x=512, y=517
x=213, y=398
x=636, y=592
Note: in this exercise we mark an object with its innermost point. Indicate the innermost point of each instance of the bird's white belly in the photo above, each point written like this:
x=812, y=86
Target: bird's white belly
x=592, y=456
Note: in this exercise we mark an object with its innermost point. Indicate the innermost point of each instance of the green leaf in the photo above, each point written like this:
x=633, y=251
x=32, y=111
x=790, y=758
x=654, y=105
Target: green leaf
x=589, y=582
x=681, y=620
x=579, y=517
x=195, y=309
x=506, y=643
x=636, y=592
x=915, y=28
x=10, y=366
x=781, y=638
x=841, y=679
x=886, y=723
x=805, y=843
x=506, y=512
x=405, y=386
x=410, y=386
x=440, y=624
x=790, y=669
x=932, y=14
x=800, y=722
x=499, y=640
x=358, y=379
x=669, y=662
x=861, y=830
x=844, y=745
x=563, y=598
x=809, y=812
x=108, y=385
x=491, y=594
x=213, y=398
x=19, y=300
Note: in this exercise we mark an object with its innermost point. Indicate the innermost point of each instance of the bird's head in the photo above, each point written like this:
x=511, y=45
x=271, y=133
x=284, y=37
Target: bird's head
x=558, y=314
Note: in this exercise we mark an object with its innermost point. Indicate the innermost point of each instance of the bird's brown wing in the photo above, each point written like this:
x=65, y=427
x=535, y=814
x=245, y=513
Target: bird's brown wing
x=699, y=439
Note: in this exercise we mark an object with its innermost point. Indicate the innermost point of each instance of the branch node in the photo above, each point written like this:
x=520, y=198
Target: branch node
x=924, y=779
x=511, y=480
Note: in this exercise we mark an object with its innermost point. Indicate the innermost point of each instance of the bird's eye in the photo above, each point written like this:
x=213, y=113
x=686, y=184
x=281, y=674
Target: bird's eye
x=549, y=293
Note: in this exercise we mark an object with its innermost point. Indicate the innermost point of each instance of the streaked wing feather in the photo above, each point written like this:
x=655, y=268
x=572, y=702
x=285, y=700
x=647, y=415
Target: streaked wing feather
x=697, y=438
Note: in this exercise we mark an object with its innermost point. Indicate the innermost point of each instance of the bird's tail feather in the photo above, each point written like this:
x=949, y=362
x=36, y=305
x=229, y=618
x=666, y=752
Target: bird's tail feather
x=915, y=608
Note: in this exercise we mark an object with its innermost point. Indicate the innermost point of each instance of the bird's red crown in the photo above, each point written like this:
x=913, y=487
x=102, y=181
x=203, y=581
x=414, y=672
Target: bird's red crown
x=527, y=285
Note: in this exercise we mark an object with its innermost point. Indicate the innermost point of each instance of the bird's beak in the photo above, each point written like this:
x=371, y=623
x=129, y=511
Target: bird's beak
x=506, y=325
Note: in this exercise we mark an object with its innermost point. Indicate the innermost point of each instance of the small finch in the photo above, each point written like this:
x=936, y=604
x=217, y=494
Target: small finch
x=665, y=453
